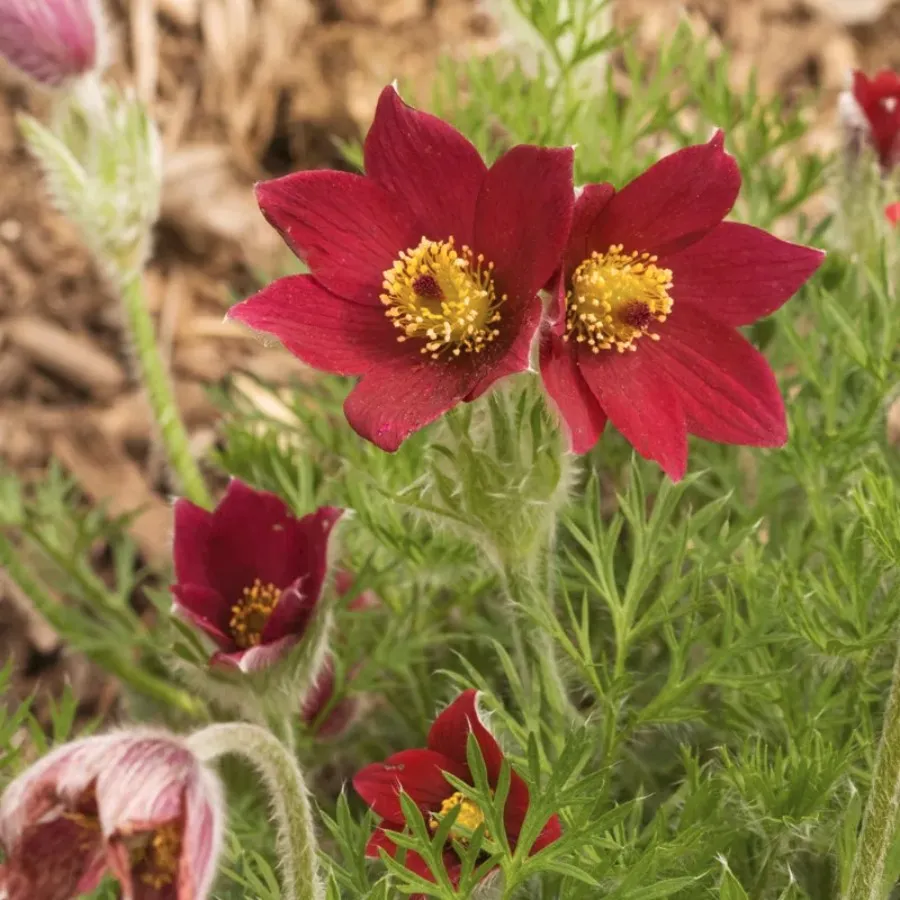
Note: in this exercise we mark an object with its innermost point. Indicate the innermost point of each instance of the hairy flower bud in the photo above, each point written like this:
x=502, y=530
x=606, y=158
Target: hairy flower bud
x=137, y=804
x=52, y=41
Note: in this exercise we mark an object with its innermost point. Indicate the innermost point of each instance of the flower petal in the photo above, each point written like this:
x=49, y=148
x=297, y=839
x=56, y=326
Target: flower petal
x=522, y=222
x=206, y=608
x=419, y=773
x=431, y=172
x=346, y=227
x=325, y=331
x=574, y=400
x=674, y=203
x=551, y=832
x=396, y=399
x=291, y=614
x=255, y=658
x=307, y=547
x=725, y=386
x=192, y=527
x=589, y=205
x=641, y=403
x=449, y=734
x=738, y=273
x=204, y=825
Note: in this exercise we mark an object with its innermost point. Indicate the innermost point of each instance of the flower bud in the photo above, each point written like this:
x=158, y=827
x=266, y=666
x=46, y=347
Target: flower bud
x=52, y=41
x=870, y=115
x=136, y=804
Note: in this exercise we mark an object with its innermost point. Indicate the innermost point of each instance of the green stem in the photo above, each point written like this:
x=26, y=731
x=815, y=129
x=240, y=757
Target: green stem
x=156, y=380
x=880, y=819
x=287, y=793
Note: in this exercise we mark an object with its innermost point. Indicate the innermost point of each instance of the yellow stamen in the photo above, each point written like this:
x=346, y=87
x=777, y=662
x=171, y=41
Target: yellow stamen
x=469, y=818
x=615, y=298
x=444, y=297
x=251, y=612
x=161, y=855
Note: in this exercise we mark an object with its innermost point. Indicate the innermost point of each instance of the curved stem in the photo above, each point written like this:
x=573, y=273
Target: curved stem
x=156, y=380
x=880, y=819
x=287, y=793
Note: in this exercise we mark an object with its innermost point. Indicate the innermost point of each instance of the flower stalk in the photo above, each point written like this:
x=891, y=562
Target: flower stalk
x=288, y=794
x=879, y=825
x=160, y=393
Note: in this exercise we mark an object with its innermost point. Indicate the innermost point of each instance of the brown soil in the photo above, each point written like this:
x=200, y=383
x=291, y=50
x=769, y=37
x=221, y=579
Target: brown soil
x=242, y=89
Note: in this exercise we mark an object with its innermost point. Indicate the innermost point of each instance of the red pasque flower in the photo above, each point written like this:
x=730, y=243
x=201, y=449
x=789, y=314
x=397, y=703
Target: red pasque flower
x=419, y=773
x=425, y=272
x=873, y=106
x=138, y=804
x=250, y=573
x=892, y=212
x=348, y=709
x=652, y=288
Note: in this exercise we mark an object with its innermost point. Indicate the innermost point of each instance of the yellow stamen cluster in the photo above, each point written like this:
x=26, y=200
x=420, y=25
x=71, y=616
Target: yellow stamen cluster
x=250, y=614
x=444, y=296
x=615, y=298
x=161, y=855
x=469, y=818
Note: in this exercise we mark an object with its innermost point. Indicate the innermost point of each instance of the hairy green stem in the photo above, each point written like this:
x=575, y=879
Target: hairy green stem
x=288, y=795
x=880, y=819
x=158, y=384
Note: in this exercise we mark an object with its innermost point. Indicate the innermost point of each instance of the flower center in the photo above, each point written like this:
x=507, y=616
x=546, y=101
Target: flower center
x=158, y=856
x=444, y=296
x=615, y=298
x=250, y=614
x=469, y=818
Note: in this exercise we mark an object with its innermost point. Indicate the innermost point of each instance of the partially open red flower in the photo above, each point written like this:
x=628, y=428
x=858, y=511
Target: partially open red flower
x=138, y=804
x=893, y=213
x=424, y=272
x=250, y=573
x=873, y=106
x=419, y=773
x=648, y=300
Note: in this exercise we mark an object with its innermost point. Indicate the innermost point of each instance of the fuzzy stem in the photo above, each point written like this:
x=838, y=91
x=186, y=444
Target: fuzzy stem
x=288, y=795
x=880, y=818
x=158, y=384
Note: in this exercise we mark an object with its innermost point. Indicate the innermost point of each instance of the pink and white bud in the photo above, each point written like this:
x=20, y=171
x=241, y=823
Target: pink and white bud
x=52, y=41
x=138, y=804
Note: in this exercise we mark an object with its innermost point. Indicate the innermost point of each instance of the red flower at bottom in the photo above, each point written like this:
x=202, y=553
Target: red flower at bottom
x=420, y=774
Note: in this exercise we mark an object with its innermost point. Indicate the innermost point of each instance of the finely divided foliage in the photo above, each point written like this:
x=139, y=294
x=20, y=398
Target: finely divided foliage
x=615, y=614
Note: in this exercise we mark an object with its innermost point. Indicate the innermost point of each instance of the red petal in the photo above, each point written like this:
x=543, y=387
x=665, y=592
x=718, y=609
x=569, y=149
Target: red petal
x=396, y=399
x=738, y=273
x=291, y=614
x=517, y=803
x=893, y=213
x=551, y=832
x=417, y=772
x=325, y=331
x=255, y=658
x=641, y=402
x=568, y=390
x=522, y=222
x=674, y=203
x=192, y=527
x=346, y=227
x=450, y=733
x=589, y=205
x=206, y=608
x=380, y=840
x=431, y=172
x=726, y=388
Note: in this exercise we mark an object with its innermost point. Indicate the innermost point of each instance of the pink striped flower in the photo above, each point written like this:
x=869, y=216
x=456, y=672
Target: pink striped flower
x=137, y=804
x=52, y=41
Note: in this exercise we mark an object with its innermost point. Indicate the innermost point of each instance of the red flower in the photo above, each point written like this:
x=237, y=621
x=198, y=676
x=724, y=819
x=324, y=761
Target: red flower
x=424, y=272
x=419, y=773
x=652, y=288
x=250, y=573
x=346, y=711
x=893, y=213
x=138, y=804
x=878, y=99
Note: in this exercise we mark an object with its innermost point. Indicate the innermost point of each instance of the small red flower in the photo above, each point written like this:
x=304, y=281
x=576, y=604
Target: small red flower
x=893, y=213
x=346, y=711
x=138, y=804
x=651, y=291
x=250, y=573
x=419, y=773
x=425, y=272
x=875, y=109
